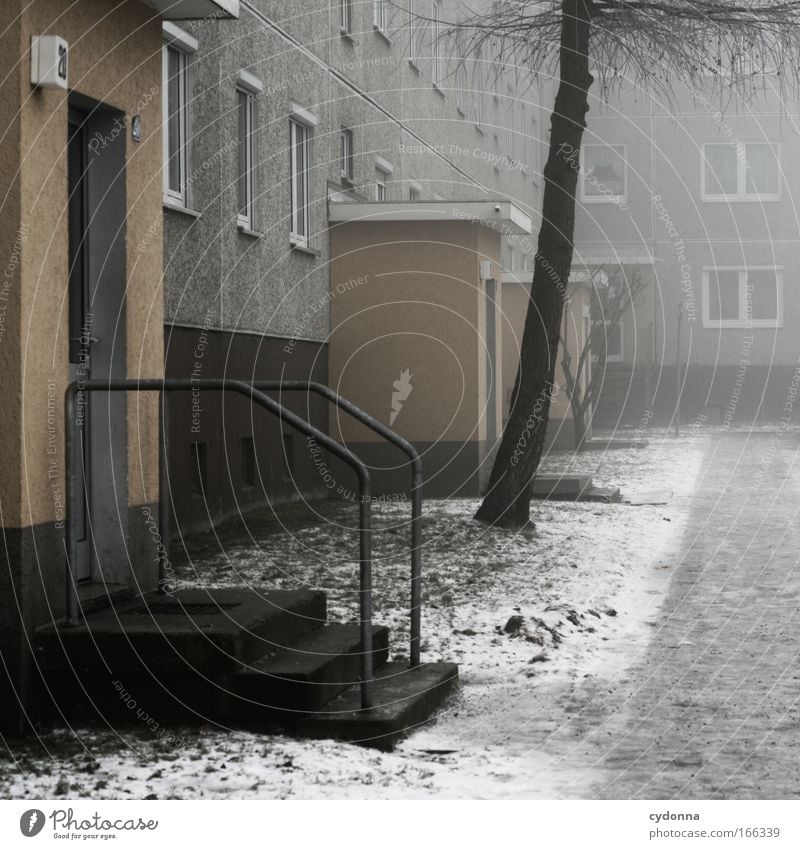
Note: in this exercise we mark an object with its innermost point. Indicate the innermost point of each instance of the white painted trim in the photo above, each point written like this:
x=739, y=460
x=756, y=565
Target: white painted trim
x=249, y=82
x=502, y=216
x=302, y=115
x=384, y=165
x=176, y=37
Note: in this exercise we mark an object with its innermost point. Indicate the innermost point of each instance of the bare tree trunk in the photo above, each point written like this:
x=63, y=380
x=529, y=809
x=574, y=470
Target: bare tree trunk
x=507, y=502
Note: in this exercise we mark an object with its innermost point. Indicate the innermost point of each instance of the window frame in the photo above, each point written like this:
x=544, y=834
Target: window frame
x=379, y=16
x=413, y=35
x=300, y=121
x=436, y=45
x=385, y=169
x=741, y=195
x=184, y=46
x=250, y=87
x=617, y=200
x=346, y=17
x=346, y=155
x=743, y=321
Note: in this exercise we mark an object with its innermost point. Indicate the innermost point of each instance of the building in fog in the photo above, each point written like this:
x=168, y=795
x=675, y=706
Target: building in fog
x=696, y=196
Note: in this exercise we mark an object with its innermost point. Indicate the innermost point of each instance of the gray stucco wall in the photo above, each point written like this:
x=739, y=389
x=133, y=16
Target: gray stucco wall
x=219, y=277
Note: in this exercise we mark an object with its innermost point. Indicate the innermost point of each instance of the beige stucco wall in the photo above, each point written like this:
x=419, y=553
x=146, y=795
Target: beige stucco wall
x=408, y=295
x=11, y=71
x=114, y=58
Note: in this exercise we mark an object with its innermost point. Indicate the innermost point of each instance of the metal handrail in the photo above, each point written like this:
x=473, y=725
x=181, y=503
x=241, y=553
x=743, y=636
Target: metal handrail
x=164, y=385
x=416, y=487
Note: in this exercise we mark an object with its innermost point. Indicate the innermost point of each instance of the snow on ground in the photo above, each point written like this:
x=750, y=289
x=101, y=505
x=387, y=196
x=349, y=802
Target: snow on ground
x=585, y=582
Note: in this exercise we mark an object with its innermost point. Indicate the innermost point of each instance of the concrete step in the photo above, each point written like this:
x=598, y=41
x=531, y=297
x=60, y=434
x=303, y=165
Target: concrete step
x=195, y=630
x=404, y=699
x=572, y=488
x=306, y=675
x=568, y=487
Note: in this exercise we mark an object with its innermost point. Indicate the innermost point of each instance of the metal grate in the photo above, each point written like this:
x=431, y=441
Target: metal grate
x=176, y=608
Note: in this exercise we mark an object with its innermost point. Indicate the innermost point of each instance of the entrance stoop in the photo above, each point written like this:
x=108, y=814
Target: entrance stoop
x=239, y=658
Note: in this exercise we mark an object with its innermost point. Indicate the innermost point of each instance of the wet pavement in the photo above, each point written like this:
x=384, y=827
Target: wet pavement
x=711, y=707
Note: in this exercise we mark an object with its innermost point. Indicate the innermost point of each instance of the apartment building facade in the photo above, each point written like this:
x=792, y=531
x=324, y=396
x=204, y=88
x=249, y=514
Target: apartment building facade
x=275, y=124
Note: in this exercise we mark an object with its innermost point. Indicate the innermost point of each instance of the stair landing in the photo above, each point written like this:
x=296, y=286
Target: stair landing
x=236, y=657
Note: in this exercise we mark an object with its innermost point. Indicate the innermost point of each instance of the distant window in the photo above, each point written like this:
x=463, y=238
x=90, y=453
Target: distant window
x=380, y=184
x=603, y=174
x=735, y=171
x=383, y=172
x=413, y=33
x=379, y=15
x=477, y=85
x=743, y=297
x=414, y=194
x=346, y=16
x=245, y=111
x=461, y=82
x=437, y=65
x=346, y=154
x=299, y=180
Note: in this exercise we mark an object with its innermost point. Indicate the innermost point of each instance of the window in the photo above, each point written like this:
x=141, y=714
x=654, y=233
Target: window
x=301, y=123
x=414, y=191
x=741, y=171
x=477, y=85
x=380, y=184
x=461, y=82
x=436, y=47
x=379, y=15
x=604, y=174
x=346, y=17
x=176, y=52
x=743, y=297
x=247, y=88
x=383, y=171
x=413, y=34
x=346, y=154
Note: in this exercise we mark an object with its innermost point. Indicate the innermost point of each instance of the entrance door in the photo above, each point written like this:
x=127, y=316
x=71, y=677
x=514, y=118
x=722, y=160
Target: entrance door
x=80, y=325
x=97, y=209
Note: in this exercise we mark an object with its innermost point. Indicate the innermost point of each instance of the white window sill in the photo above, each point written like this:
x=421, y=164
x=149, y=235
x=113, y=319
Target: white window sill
x=612, y=200
x=741, y=198
x=304, y=249
x=168, y=203
x=382, y=34
x=761, y=324
x=347, y=36
x=245, y=230
x=479, y=127
x=438, y=90
x=412, y=63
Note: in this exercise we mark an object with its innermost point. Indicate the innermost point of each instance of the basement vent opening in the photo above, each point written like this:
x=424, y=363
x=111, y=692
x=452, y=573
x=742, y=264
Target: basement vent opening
x=175, y=608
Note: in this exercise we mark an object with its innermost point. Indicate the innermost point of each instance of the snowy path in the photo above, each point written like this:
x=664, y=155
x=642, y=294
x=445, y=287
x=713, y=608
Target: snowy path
x=676, y=675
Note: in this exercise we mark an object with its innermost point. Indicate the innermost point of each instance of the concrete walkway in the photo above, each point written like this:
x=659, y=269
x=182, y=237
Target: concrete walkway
x=712, y=709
